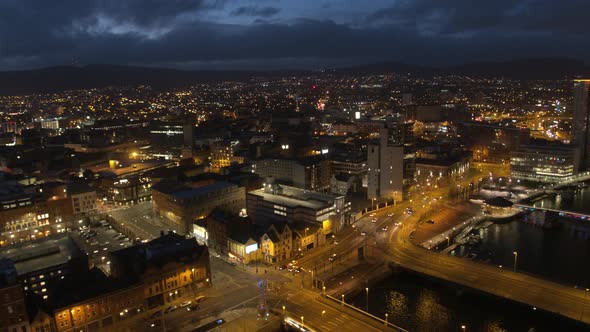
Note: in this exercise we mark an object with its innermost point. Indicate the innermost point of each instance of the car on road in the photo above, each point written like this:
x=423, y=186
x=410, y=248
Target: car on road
x=372, y=215
x=185, y=304
x=374, y=220
x=192, y=307
x=384, y=228
x=155, y=324
x=156, y=314
x=283, y=267
x=364, y=233
x=430, y=221
x=332, y=258
x=390, y=214
x=409, y=211
x=170, y=309
x=200, y=298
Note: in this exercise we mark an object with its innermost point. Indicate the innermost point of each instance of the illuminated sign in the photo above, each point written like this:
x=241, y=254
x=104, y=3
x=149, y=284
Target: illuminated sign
x=251, y=248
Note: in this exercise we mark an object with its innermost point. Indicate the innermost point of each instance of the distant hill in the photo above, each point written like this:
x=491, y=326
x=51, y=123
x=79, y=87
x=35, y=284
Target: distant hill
x=527, y=69
x=530, y=69
x=54, y=79
x=392, y=67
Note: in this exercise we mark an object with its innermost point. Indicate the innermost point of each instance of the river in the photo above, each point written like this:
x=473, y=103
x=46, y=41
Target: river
x=420, y=304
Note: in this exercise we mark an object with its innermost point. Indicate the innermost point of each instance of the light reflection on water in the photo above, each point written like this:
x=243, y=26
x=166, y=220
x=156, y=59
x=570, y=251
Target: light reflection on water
x=419, y=304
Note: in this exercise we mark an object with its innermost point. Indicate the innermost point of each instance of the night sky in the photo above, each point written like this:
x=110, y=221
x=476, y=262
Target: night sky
x=248, y=34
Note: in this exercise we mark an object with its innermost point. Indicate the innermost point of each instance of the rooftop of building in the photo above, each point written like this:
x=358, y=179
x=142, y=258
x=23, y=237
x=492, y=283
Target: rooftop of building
x=547, y=144
x=41, y=254
x=79, y=187
x=293, y=197
x=183, y=191
x=74, y=288
x=128, y=168
x=168, y=247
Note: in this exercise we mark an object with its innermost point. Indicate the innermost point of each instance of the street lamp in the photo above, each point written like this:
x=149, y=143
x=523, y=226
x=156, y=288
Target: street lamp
x=386, y=314
x=324, y=290
x=342, y=299
x=584, y=304
x=301, y=320
x=323, y=313
x=283, y=309
x=515, y=259
x=463, y=328
x=448, y=241
x=367, y=297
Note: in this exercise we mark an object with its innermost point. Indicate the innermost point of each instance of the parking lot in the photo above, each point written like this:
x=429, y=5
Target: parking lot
x=139, y=219
x=98, y=242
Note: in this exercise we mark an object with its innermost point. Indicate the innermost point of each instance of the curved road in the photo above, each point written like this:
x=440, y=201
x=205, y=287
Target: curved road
x=539, y=293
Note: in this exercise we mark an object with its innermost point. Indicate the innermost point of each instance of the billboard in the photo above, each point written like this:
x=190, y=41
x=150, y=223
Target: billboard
x=251, y=248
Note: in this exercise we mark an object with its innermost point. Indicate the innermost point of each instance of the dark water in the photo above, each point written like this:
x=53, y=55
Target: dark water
x=420, y=304
x=580, y=202
x=555, y=254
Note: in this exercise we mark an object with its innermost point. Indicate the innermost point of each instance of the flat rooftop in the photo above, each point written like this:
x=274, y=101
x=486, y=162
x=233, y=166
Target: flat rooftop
x=203, y=190
x=293, y=197
x=41, y=254
x=129, y=168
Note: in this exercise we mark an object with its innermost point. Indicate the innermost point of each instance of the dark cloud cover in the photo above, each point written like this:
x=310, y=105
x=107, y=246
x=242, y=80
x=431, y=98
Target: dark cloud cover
x=255, y=11
x=210, y=33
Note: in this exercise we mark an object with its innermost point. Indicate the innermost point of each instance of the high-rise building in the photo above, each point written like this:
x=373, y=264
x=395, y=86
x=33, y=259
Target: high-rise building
x=581, y=125
x=391, y=162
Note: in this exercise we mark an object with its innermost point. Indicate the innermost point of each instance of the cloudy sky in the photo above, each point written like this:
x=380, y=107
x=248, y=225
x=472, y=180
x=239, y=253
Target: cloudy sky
x=258, y=34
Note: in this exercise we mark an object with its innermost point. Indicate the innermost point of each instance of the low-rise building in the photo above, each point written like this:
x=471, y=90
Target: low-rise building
x=170, y=267
x=276, y=243
x=41, y=264
x=132, y=190
x=312, y=173
x=278, y=203
x=436, y=169
x=179, y=204
x=76, y=306
x=544, y=161
x=13, y=311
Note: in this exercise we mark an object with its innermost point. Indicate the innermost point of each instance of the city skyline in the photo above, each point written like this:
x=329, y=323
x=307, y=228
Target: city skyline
x=283, y=165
